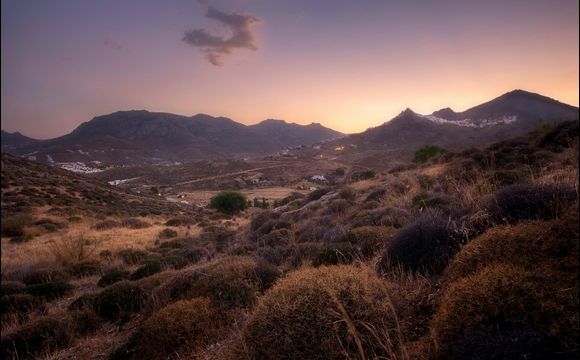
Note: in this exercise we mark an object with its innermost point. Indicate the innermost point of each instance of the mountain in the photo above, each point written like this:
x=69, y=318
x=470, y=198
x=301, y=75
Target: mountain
x=13, y=141
x=512, y=114
x=137, y=137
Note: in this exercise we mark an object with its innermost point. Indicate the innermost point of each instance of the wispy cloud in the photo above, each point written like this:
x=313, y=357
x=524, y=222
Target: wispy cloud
x=216, y=48
x=110, y=43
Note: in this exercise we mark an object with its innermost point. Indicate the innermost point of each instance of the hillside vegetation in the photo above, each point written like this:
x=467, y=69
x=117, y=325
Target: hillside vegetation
x=469, y=254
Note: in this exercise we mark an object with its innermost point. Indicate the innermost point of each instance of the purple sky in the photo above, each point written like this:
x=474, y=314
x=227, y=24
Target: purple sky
x=347, y=64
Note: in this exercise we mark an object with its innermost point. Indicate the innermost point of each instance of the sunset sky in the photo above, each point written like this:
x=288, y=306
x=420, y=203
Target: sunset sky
x=346, y=64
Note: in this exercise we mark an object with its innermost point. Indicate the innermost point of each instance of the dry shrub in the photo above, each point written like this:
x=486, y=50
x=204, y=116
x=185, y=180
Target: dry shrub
x=46, y=334
x=85, y=268
x=106, y=225
x=148, y=269
x=229, y=282
x=338, y=206
x=119, y=300
x=531, y=201
x=184, y=326
x=326, y=313
x=132, y=256
x=167, y=233
x=499, y=300
x=14, y=225
x=135, y=223
x=17, y=304
x=370, y=239
x=44, y=274
x=334, y=254
x=425, y=245
x=531, y=245
x=11, y=287
x=112, y=277
x=49, y=290
x=71, y=250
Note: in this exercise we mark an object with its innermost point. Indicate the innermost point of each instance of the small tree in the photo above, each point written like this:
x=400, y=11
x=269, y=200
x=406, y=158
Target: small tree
x=427, y=152
x=229, y=202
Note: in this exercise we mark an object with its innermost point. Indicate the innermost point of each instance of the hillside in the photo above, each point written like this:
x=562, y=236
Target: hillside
x=138, y=137
x=28, y=186
x=468, y=254
x=512, y=114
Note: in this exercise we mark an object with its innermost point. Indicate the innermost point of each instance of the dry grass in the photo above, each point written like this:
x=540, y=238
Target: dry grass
x=329, y=312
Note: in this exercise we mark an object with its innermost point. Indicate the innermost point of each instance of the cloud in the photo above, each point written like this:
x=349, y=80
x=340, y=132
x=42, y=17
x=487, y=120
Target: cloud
x=113, y=44
x=216, y=48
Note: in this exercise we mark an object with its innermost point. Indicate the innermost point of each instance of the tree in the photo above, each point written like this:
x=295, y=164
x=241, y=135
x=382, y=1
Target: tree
x=229, y=202
x=427, y=152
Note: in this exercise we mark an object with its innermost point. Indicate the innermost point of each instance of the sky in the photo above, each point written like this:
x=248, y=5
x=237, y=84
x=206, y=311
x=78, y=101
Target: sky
x=347, y=64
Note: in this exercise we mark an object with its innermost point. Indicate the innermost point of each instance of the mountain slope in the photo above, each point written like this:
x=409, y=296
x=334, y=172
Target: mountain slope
x=12, y=141
x=512, y=114
x=130, y=137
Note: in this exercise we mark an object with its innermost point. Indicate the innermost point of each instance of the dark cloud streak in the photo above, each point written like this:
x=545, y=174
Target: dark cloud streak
x=216, y=48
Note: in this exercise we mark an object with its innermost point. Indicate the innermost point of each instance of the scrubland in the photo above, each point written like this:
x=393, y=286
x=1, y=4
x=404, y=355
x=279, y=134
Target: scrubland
x=469, y=255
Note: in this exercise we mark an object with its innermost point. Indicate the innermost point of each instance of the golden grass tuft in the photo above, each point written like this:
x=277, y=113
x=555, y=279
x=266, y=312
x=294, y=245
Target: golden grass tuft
x=181, y=327
x=499, y=301
x=324, y=313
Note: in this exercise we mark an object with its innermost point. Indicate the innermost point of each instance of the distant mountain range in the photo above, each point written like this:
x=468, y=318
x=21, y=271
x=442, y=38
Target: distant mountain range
x=512, y=114
x=142, y=137
x=137, y=137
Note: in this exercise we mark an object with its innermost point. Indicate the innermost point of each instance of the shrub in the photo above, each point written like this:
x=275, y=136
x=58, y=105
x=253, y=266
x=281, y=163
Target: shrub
x=119, y=300
x=501, y=299
x=184, y=326
x=230, y=282
x=427, y=152
x=148, y=269
x=228, y=202
x=507, y=177
x=44, y=275
x=176, y=222
x=49, y=225
x=370, y=239
x=425, y=245
x=86, y=268
x=552, y=246
x=132, y=256
x=21, y=239
x=167, y=233
x=424, y=200
x=14, y=225
x=531, y=202
x=324, y=313
x=10, y=287
x=46, y=334
x=20, y=304
x=338, y=206
x=112, y=277
x=85, y=301
x=49, y=290
x=362, y=175
x=317, y=194
x=376, y=195
x=106, y=225
x=135, y=223
x=339, y=253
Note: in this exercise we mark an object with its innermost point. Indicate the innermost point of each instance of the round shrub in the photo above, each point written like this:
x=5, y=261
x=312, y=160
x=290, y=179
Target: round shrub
x=106, y=225
x=229, y=202
x=167, y=233
x=135, y=223
x=45, y=275
x=119, y=300
x=501, y=299
x=425, y=245
x=531, y=202
x=112, y=277
x=50, y=290
x=85, y=268
x=530, y=245
x=334, y=254
x=150, y=268
x=10, y=287
x=370, y=239
x=232, y=281
x=184, y=326
x=20, y=304
x=132, y=256
x=325, y=313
